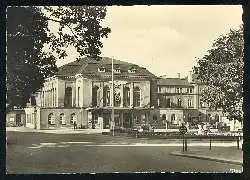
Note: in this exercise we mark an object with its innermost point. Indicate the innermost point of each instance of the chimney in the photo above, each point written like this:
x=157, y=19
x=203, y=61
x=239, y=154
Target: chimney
x=190, y=79
x=179, y=75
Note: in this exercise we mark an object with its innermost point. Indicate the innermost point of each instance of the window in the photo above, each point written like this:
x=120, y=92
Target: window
x=32, y=101
x=72, y=118
x=189, y=102
x=55, y=98
x=106, y=96
x=208, y=117
x=117, y=97
x=51, y=118
x=126, y=96
x=163, y=102
x=154, y=117
x=177, y=90
x=94, y=96
x=217, y=118
x=137, y=97
x=173, y=121
x=189, y=118
x=201, y=104
x=62, y=118
x=102, y=69
x=132, y=70
x=179, y=102
x=200, y=117
x=137, y=119
x=78, y=97
x=117, y=70
x=163, y=118
x=168, y=103
x=68, y=97
x=191, y=90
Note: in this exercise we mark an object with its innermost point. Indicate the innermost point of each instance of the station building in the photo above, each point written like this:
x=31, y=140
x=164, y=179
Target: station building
x=81, y=92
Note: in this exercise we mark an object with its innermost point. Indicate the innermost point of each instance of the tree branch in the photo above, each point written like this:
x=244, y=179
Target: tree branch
x=58, y=21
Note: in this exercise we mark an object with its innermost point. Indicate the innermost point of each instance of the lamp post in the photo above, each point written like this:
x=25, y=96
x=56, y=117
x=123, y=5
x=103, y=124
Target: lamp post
x=113, y=110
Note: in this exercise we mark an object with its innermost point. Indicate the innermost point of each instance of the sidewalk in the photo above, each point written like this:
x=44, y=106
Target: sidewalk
x=225, y=155
x=58, y=131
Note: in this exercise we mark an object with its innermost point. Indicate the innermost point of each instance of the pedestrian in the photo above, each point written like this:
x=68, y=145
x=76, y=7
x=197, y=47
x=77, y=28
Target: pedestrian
x=74, y=125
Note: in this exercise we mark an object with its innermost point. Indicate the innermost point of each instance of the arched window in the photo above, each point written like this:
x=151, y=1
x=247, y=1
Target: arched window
x=164, y=117
x=126, y=96
x=106, y=96
x=173, y=121
x=94, y=96
x=73, y=118
x=137, y=96
x=179, y=102
x=62, y=119
x=51, y=118
x=68, y=97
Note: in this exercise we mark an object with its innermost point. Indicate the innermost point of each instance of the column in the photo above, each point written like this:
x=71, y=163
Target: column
x=45, y=98
x=101, y=94
x=122, y=119
x=131, y=94
x=55, y=98
x=50, y=98
x=111, y=96
x=121, y=105
x=41, y=98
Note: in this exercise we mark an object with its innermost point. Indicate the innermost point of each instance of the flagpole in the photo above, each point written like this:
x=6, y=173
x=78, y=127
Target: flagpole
x=113, y=110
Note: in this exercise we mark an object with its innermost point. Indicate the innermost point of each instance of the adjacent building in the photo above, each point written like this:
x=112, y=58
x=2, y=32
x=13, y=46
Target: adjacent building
x=15, y=117
x=179, y=101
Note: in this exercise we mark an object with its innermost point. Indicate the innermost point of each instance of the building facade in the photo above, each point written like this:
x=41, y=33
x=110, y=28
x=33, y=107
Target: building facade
x=15, y=118
x=81, y=92
x=179, y=101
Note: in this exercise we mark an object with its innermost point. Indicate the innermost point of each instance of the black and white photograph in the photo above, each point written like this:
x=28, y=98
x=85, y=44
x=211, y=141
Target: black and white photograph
x=127, y=89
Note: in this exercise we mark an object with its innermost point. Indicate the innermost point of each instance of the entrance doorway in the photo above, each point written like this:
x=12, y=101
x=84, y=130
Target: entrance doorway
x=127, y=118
x=18, y=119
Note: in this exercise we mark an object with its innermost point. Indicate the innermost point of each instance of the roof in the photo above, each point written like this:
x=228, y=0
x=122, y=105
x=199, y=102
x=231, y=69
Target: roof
x=88, y=67
x=173, y=82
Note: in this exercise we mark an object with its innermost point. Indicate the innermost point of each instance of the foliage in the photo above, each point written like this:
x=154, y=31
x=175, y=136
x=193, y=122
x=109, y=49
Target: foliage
x=221, y=73
x=27, y=65
x=27, y=35
x=79, y=26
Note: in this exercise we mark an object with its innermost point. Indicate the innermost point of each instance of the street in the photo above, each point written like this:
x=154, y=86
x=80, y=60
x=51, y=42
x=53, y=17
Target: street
x=30, y=152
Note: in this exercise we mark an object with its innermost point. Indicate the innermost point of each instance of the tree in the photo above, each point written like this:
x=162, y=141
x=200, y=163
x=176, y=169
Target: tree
x=79, y=26
x=221, y=73
x=27, y=64
x=27, y=35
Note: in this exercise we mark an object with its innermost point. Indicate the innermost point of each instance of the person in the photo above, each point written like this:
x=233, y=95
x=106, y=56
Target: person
x=74, y=125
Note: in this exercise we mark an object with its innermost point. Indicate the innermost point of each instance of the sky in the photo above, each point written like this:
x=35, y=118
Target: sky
x=165, y=39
